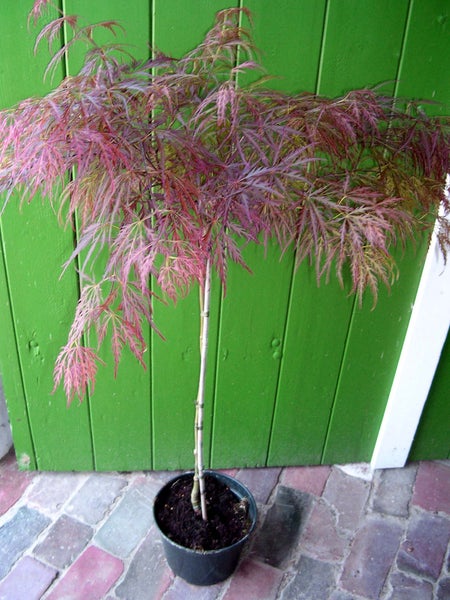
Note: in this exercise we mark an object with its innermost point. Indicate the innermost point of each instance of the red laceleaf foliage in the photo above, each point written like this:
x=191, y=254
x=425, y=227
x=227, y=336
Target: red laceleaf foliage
x=168, y=162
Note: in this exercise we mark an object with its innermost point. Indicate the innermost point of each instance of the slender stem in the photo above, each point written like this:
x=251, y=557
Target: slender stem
x=198, y=496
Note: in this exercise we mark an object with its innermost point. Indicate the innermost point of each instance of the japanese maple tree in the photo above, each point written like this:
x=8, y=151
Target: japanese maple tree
x=174, y=165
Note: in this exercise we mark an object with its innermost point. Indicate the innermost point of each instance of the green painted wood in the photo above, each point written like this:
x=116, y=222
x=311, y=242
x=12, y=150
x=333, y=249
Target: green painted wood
x=250, y=351
x=41, y=305
x=423, y=72
x=10, y=366
x=369, y=361
x=121, y=405
x=289, y=36
x=61, y=436
x=432, y=440
x=362, y=45
x=316, y=331
x=11, y=371
x=177, y=27
x=175, y=364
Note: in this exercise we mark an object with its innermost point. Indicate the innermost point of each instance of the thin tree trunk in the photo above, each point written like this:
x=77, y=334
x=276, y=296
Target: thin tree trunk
x=198, y=496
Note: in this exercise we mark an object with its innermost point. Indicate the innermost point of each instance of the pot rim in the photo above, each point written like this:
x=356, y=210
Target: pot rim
x=229, y=479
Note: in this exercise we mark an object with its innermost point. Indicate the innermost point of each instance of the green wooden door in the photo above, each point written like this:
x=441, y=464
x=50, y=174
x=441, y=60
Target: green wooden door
x=298, y=374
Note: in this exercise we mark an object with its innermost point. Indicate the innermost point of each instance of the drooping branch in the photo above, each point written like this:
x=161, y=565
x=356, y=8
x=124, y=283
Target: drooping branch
x=339, y=180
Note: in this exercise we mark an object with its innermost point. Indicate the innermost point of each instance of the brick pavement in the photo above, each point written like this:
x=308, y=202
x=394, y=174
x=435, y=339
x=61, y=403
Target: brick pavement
x=324, y=533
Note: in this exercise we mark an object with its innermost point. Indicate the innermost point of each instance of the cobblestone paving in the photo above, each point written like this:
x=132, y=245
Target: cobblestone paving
x=337, y=533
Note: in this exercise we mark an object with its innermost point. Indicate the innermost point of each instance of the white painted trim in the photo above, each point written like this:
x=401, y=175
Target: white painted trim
x=425, y=337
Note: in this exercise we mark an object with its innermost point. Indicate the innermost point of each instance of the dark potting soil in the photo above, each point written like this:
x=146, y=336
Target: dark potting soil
x=227, y=523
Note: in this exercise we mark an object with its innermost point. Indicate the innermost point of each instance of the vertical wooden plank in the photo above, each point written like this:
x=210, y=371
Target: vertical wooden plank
x=432, y=439
x=289, y=36
x=317, y=327
x=10, y=367
x=120, y=406
x=42, y=307
x=35, y=248
x=179, y=26
x=424, y=65
x=362, y=45
x=250, y=350
x=11, y=374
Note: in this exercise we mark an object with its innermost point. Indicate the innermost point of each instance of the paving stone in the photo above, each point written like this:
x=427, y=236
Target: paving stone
x=13, y=483
x=29, y=579
x=282, y=526
x=314, y=579
x=405, y=587
x=426, y=542
x=371, y=557
x=340, y=595
x=64, y=542
x=18, y=534
x=443, y=589
x=348, y=495
x=52, y=490
x=307, y=479
x=95, y=497
x=181, y=590
x=254, y=581
x=89, y=499
x=127, y=526
x=148, y=575
x=432, y=489
x=148, y=486
x=90, y=577
x=320, y=537
x=260, y=482
x=393, y=491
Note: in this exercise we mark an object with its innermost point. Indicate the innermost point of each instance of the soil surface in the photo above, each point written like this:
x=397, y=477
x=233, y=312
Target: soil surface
x=227, y=523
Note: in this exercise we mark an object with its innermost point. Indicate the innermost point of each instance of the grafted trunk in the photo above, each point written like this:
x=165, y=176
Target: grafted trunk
x=198, y=497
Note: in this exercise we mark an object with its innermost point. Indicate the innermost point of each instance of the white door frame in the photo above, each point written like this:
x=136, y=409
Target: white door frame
x=425, y=337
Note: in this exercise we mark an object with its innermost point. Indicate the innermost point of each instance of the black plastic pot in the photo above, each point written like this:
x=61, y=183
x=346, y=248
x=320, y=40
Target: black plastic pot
x=211, y=566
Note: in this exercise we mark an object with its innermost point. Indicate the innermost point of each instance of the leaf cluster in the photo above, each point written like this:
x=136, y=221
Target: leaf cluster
x=168, y=162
